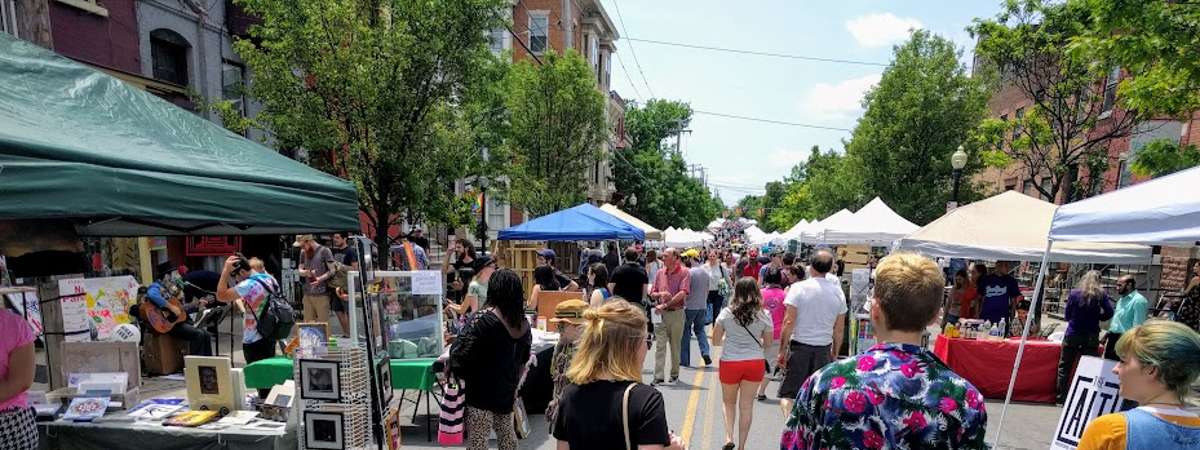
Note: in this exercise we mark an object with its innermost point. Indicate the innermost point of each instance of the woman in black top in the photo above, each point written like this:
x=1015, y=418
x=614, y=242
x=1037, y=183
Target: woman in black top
x=489, y=356
x=606, y=407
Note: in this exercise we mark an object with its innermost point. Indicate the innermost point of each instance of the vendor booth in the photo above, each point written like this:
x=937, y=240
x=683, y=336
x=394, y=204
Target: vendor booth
x=875, y=223
x=1010, y=226
x=815, y=231
x=652, y=234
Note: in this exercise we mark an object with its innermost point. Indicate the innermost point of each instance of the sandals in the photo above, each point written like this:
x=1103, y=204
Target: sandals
x=728, y=446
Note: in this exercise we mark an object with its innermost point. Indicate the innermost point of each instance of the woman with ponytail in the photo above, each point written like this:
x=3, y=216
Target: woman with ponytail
x=746, y=330
x=606, y=407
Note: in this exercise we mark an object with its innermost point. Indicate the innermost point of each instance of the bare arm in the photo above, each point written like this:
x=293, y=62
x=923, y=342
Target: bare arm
x=563, y=445
x=20, y=372
x=718, y=334
x=839, y=326
x=597, y=299
x=533, y=297
x=225, y=293
x=785, y=338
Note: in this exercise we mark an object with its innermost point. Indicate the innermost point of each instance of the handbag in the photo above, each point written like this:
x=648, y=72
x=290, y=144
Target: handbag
x=520, y=419
x=625, y=415
x=723, y=284
x=451, y=418
x=766, y=364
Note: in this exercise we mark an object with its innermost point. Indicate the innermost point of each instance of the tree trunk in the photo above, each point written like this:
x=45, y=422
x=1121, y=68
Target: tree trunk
x=382, y=240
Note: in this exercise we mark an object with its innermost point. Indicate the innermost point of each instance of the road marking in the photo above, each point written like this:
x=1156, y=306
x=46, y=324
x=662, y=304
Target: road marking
x=706, y=432
x=689, y=419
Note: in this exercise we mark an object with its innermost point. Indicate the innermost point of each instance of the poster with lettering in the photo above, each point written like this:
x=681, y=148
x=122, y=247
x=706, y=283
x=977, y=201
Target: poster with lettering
x=105, y=304
x=1095, y=391
x=28, y=306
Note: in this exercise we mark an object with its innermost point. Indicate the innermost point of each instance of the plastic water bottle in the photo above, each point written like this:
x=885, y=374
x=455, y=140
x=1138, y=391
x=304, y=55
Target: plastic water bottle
x=1000, y=335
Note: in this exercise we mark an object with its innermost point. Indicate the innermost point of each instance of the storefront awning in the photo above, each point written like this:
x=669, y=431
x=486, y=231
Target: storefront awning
x=80, y=145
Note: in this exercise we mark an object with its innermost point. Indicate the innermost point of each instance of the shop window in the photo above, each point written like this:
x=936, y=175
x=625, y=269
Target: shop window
x=169, y=54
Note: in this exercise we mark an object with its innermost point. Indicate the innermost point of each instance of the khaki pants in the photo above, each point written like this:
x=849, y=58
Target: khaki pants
x=316, y=308
x=668, y=333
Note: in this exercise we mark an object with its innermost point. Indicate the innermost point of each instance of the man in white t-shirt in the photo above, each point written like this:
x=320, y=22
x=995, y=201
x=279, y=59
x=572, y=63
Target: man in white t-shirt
x=812, y=326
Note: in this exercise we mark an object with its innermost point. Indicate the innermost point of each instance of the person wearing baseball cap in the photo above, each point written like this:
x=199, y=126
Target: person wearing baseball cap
x=546, y=257
x=568, y=316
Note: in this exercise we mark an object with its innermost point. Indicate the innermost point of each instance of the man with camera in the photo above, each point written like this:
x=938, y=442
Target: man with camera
x=251, y=288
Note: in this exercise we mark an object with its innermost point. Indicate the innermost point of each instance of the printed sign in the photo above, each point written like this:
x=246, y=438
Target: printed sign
x=427, y=282
x=105, y=303
x=28, y=306
x=1095, y=391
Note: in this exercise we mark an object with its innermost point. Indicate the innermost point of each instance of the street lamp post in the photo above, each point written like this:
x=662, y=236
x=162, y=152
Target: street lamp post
x=958, y=161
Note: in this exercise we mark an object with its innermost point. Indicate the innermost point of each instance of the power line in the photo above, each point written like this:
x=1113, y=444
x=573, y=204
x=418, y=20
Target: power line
x=771, y=121
x=526, y=47
x=626, y=71
x=756, y=53
x=636, y=63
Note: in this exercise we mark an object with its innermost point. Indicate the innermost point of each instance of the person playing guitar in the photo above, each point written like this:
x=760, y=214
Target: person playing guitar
x=163, y=310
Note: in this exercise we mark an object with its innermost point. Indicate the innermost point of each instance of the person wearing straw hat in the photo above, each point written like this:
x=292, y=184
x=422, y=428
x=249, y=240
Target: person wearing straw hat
x=568, y=319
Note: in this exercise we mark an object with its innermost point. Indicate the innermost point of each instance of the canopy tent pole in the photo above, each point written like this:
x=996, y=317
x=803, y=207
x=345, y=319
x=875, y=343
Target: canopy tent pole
x=1036, y=303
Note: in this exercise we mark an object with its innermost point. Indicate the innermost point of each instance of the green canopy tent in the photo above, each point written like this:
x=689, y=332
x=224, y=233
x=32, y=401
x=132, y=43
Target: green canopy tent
x=79, y=145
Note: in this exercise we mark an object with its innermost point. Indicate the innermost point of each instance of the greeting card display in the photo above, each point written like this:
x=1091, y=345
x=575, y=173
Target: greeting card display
x=86, y=409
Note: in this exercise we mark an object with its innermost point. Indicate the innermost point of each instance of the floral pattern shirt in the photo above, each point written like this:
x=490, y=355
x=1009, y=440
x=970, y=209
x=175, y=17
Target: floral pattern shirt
x=893, y=396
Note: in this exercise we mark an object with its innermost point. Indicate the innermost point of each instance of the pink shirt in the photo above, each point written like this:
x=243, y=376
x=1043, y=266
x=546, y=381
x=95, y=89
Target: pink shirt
x=674, y=282
x=14, y=332
x=773, y=302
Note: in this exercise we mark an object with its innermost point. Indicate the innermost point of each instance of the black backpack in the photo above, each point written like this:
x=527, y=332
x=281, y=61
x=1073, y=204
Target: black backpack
x=276, y=319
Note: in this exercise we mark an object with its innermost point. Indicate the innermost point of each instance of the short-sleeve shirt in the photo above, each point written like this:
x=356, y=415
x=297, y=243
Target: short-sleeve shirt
x=697, y=297
x=673, y=282
x=997, y=292
x=629, y=282
x=818, y=302
x=773, y=298
x=347, y=255
x=742, y=343
x=479, y=290
x=589, y=416
x=14, y=333
x=318, y=264
x=253, y=291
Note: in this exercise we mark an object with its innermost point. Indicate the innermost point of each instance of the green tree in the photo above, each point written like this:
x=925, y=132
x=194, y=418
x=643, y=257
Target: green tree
x=925, y=105
x=1164, y=157
x=1071, y=122
x=557, y=125
x=372, y=89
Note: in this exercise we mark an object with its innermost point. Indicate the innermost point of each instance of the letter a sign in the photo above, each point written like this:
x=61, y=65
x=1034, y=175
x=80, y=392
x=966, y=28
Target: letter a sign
x=1095, y=391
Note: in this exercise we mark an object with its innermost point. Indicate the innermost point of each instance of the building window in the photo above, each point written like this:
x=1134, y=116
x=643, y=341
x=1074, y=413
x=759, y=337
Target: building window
x=539, y=32
x=1046, y=186
x=1126, y=175
x=496, y=40
x=1010, y=184
x=496, y=213
x=600, y=70
x=1028, y=189
x=1110, y=89
x=169, y=53
x=8, y=17
x=233, y=85
x=1017, y=127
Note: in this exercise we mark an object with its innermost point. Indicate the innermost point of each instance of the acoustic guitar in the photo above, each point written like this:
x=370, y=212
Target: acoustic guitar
x=160, y=320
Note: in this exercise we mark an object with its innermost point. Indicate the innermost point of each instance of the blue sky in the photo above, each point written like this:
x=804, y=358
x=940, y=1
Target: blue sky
x=741, y=156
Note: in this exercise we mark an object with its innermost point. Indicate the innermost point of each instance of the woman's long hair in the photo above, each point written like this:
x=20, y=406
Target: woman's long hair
x=599, y=275
x=544, y=276
x=608, y=347
x=960, y=279
x=507, y=295
x=1089, y=286
x=747, y=301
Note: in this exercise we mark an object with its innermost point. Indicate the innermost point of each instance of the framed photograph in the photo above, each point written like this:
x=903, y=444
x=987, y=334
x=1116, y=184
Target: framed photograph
x=320, y=380
x=281, y=395
x=324, y=430
x=391, y=430
x=375, y=319
x=383, y=373
x=312, y=334
x=209, y=383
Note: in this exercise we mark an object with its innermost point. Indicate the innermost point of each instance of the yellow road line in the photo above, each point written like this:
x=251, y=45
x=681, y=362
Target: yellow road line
x=689, y=419
x=706, y=432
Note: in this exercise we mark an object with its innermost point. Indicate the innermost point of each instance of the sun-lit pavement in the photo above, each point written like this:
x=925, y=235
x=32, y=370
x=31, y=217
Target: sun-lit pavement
x=694, y=411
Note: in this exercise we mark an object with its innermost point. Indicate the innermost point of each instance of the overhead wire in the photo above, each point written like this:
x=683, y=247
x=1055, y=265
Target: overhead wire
x=638, y=95
x=633, y=52
x=756, y=52
x=771, y=121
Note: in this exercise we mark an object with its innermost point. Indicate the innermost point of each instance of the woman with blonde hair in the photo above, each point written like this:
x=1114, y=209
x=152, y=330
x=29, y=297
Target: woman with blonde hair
x=1159, y=362
x=606, y=406
x=1087, y=306
x=746, y=331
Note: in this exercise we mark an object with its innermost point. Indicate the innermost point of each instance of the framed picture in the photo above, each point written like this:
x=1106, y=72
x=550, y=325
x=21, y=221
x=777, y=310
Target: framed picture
x=376, y=331
x=391, y=430
x=209, y=383
x=281, y=395
x=312, y=334
x=383, y=373
x=320, y=380
x=324, y=430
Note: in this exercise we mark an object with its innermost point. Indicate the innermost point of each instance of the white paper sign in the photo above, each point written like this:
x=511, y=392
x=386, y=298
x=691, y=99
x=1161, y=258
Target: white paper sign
x=105, y=303
x=1095, y=391
x=426, y=282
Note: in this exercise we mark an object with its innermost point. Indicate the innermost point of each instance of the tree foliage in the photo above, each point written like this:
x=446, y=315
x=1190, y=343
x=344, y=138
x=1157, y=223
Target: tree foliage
x=656, y=174
x=1163, y=157
x=372, y=89
x=557, y=122
x=925, y=106
x=1069, y=125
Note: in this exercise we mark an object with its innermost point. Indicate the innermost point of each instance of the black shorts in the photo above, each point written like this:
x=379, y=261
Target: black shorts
x=802, y=361
x=336, y=303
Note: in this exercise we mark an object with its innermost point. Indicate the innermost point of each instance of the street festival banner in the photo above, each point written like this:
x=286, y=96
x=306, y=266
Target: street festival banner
x=1095, y=391
x=104, y=304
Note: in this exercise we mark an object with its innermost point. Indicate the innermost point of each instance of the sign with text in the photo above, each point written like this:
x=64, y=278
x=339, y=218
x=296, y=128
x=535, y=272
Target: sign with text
x=105, y=304
x=1095, y=391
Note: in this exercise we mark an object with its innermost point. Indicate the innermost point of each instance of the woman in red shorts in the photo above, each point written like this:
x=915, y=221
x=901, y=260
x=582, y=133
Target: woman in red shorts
x=745, y=329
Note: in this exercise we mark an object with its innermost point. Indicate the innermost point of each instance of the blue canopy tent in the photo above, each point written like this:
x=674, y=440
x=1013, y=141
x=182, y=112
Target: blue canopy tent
x=581, y=223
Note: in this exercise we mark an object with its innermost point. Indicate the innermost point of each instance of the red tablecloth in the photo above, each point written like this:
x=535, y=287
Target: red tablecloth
x=988, y=365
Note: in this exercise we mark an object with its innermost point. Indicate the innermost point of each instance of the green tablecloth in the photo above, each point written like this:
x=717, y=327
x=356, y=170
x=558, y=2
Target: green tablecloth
x=406, y=374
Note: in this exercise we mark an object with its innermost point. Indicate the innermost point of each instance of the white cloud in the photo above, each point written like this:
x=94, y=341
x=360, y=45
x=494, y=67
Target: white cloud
x=839, y=100
x=787, y=157
x=881, y=29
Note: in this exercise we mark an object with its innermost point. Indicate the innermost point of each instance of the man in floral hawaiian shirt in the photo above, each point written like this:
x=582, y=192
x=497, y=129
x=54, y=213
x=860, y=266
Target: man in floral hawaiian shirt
x=897, y=394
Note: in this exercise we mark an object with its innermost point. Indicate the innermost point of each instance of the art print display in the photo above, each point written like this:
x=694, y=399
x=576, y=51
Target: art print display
x=86, y=409
x=375, y=330
x=311, y=336
x=324, y=430
x=383, y=373
x=320, y=380
x=28, y=306
x=209, y=383
x=391, y=430
x=102, y=303
x=411, y=312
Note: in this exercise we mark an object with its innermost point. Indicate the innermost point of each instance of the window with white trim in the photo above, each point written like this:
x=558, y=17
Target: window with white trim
x=1110, y=89
x=539, y=32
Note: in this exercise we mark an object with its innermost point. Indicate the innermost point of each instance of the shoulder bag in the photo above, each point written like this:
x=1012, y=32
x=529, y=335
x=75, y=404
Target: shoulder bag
x=625, y=415
x=766, y=364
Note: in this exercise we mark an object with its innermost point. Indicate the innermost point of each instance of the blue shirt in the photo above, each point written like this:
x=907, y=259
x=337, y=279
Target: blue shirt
x=997, y=292
x=155, y=294
x=1130, y=312
x=1083, y=316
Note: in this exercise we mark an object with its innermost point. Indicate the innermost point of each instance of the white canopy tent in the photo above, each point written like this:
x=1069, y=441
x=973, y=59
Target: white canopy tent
x=716, y=223
x=683, y=238
x=793, y=233
x=1011, y=226
x=814, y=231
x=875, y=223
x=652, y=234
x=1164, y=211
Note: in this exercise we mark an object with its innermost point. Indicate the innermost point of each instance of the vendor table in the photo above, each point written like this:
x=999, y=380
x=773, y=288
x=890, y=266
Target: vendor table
x=987, y=364
x=116, y=435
